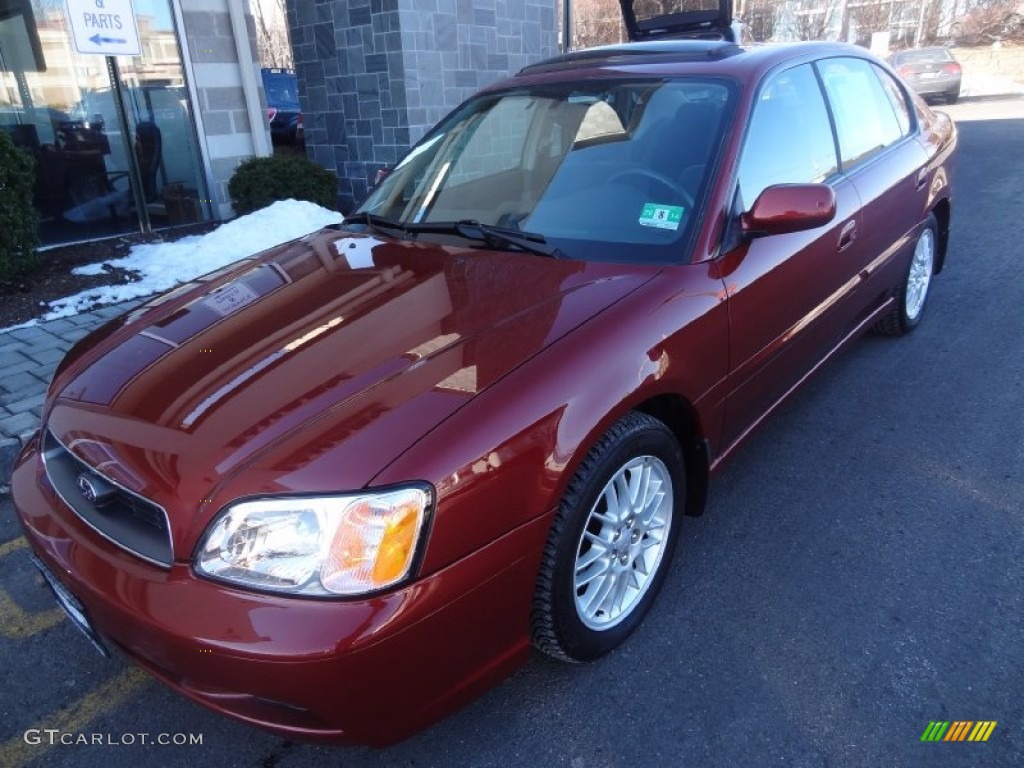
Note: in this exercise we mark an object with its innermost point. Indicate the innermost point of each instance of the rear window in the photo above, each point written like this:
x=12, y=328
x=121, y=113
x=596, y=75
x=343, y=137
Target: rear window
x=923, y=56
x=282, y=90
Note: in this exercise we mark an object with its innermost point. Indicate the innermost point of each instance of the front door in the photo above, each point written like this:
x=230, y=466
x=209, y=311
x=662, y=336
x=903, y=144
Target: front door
x=789, y=295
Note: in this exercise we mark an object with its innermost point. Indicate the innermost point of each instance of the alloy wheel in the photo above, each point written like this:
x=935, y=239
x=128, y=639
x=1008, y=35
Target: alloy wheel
x=920, y=276
x=623, y=542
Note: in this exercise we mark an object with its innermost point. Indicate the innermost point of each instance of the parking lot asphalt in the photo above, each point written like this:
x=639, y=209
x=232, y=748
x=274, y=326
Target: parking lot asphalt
x=859, y=575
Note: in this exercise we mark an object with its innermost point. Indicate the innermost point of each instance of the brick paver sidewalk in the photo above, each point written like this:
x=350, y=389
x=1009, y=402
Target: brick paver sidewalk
x=28, y=357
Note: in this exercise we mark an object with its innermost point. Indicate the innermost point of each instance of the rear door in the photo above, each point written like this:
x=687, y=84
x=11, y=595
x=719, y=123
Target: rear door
x=881, y=156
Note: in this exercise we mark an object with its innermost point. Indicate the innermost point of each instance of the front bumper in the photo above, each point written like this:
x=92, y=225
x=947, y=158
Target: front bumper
x=372, y=670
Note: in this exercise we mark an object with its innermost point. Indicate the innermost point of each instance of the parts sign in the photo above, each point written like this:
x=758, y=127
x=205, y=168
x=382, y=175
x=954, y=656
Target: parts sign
x=104, y=27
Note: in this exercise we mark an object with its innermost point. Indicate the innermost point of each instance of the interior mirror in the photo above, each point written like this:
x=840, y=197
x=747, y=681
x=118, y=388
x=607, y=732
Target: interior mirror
x=789, y=208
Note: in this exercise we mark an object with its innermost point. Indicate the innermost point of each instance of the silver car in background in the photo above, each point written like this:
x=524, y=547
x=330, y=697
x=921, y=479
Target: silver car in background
x=929, y=71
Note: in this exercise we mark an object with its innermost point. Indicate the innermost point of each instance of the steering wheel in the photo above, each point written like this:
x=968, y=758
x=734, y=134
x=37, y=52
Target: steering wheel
x=680, y=192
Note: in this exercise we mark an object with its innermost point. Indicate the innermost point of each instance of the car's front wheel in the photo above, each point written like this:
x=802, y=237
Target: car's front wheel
x=611, y=541
x=913, y=295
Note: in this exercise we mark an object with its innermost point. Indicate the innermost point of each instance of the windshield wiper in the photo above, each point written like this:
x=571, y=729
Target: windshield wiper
x=531, y=242
x=374, y=222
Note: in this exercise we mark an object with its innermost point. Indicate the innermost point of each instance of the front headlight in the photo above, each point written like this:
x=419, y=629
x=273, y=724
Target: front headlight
x=318, y=545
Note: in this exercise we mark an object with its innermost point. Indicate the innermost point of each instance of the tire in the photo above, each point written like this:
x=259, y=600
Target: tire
x=952, y=97
x=619, y=555
x=913, y=293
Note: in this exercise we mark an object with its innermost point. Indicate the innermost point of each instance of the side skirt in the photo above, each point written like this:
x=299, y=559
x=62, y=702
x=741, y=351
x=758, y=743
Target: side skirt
x=853, y=335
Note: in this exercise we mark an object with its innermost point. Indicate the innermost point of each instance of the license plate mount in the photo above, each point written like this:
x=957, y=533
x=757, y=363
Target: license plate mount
x=72, y=606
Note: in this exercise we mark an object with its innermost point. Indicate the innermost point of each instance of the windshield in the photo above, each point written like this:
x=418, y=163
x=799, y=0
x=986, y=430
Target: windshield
x=604, y=170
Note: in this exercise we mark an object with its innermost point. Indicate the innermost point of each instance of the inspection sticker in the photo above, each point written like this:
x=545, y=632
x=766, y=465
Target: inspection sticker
x=230, y=298
x=661, y=216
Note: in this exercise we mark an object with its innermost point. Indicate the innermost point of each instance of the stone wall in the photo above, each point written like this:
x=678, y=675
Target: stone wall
x=375, y=75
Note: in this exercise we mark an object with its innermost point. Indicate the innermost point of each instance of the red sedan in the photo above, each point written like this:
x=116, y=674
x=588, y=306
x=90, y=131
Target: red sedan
x=340, y=488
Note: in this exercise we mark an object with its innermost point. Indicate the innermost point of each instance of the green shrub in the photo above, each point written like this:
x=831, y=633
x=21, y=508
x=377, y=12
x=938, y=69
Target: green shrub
x=19, y=233
x=260, y=181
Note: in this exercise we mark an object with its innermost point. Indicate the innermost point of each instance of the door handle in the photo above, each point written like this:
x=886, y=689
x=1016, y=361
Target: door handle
x=847, y=234
x=922, y=178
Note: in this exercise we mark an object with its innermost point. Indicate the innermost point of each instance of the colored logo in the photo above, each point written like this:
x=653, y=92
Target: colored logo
x=958, y=730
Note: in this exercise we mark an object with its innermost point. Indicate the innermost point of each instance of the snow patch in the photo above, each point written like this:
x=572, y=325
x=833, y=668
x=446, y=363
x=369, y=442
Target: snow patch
x=161, y=266
x=26, y=324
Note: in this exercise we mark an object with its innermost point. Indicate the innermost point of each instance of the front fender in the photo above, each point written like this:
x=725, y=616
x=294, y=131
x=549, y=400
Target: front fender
x=506, y=457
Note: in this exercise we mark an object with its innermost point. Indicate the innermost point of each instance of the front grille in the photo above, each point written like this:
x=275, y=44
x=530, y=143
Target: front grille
x=125, y=518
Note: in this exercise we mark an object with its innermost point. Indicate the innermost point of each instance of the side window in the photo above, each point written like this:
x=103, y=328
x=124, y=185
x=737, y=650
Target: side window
x=897, y=98
x=790, y=138
x=865, y=120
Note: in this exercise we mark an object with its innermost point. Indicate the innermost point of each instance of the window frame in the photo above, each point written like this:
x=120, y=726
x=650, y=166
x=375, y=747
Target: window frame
x=883, y=71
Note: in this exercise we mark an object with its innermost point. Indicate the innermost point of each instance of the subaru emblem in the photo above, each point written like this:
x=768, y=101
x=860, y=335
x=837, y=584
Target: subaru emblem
x=95, y=490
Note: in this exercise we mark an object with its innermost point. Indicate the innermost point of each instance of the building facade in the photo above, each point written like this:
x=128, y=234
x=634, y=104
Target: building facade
x=375, y=75
x=150, y=140
x=131, y=141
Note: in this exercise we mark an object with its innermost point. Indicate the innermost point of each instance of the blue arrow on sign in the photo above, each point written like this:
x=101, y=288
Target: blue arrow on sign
x=98, y=39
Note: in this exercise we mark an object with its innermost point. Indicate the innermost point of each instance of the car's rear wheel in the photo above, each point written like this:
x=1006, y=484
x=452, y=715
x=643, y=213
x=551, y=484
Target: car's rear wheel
x=913, y=296
x=952, y=97
x=611, y=542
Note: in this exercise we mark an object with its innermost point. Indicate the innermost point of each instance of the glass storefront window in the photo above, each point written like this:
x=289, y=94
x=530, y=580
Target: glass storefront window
x=60, y=106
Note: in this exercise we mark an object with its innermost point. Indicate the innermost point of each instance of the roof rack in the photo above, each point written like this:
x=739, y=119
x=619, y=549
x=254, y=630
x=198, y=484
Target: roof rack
x=654, y=50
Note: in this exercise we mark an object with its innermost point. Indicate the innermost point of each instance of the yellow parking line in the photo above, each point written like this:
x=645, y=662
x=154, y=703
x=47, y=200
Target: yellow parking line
x=10, y=546
x=16, y=622
x=15, y=752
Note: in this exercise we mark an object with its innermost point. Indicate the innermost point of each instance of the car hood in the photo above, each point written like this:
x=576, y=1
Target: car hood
x=309, y=368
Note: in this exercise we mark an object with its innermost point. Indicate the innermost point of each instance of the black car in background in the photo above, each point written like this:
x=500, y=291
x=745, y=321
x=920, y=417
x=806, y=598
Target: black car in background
x=929, y=71
x=283, y=110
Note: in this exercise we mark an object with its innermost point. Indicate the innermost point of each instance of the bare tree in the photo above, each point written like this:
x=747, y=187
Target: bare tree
x=272, y=44
x=932, y=20
x=990, y=20
x=597, y=22
x=649, y=8
x=759, y=18
x=870, y=17
x=815, y=22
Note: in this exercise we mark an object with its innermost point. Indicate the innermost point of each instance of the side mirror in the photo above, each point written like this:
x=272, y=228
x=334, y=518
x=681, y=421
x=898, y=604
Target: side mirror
x=786, y=208
x=381, y=174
